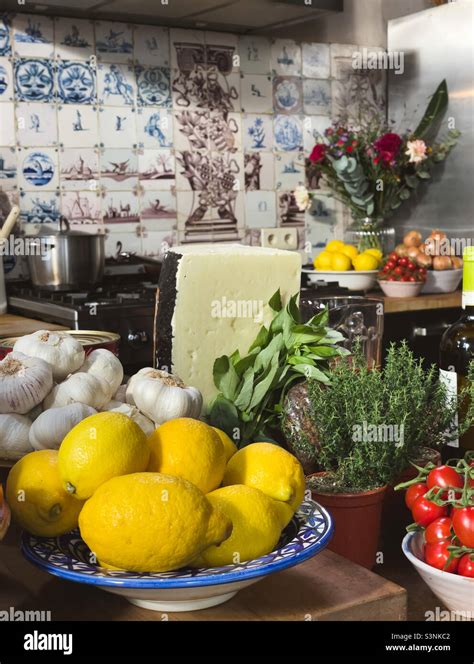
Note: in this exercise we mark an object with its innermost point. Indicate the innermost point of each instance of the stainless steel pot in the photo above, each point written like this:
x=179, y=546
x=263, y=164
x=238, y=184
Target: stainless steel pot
x=65, y=260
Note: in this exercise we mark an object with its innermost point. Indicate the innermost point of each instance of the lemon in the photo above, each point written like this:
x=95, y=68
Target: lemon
x=349, y=250
x=323, y=261
x=149, y=522
x=335, y=245
x=340, y=261
x=37, y=498
x=374, y=252
x=230, y=447
x=365, y=261
x=257, y=524
x=190, y=449
x=271, y=469
x=98, y=448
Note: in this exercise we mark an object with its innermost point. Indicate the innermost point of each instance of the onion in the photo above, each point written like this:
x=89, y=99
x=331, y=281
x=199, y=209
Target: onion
x=442, y=263
x=401, y=250
x=431, y=247
x=457, y=262
x=423, y=260
x=438, y=235
x=412, y=239
x=412, y=252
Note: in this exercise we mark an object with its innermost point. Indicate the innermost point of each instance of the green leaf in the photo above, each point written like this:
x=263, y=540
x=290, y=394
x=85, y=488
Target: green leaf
x=312, y=372
x=225, y=377
x=243, y=364
x=298, y=359
x=320, y=319
x=264, y=358
x=423, y=175
x=261, y=339
x=434, y=111
x=223, y=415
x=262, y=387
x=293, y=308
x=275, y=301
x=325, y=351
x=411, y=181
x=303, y=334
x=404, y=194
x=245, y=395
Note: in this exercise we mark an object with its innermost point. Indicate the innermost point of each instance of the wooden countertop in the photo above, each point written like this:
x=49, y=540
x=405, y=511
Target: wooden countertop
x=420, y=302
x=12, y=325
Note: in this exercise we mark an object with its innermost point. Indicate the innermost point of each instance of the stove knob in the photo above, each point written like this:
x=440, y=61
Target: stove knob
x=137, y=338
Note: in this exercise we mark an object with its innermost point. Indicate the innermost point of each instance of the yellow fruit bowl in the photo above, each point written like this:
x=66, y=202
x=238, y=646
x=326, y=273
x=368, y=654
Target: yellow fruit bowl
x=354, y=280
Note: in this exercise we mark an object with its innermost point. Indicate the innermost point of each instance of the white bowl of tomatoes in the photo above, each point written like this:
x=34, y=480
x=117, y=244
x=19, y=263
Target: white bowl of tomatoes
x=401, y=277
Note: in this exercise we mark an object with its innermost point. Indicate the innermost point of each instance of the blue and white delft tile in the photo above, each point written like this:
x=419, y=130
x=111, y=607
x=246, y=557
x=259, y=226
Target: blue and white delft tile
x=256, y=93
x=321, y=220
x=260, y=209
x=224, y=132
x=151, y=45
x=81, y=208
x=117, y=127
x=8, y=168
x=7, y=124
x=257, y=132
x=158, y=210
x=40, y=207
x=287, y=94
x=317, y=96
x=76, y=82
x=156, y=169
x=316, y=60
x=222, y=50
x=116, y=85
x=120, y=209
x=157, y=243
x=254, y=55
x=186, y=46
x=117, y=240
x=190, y=128
x=223, y=91
x=153, y=86
x=6, y=80
x=33, y=36
x=289, y=170
x=357, y=94
x=79, y=169
x=73, y=38
x=38, y=168
x=288, y=133
x=34, y=79
x=5, y=36
x=259, y=171
x=286, y=57
x=78, y=126
x=154, y=128
x=113, y=42
x=37, y=124
x=339, y=55
x=119, y=168
x=288, y=212
x=314, y=127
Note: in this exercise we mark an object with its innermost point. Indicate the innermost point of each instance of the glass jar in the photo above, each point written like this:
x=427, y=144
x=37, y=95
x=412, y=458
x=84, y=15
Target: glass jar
x=370, y=232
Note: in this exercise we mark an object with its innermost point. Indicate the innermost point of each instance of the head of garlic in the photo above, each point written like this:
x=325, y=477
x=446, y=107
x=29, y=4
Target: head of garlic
x=49, y=429
x=101, y=362
x=14, y=440
x=121, y=394
x=64, y=353
x=24, y=382
x=79, y=388
x=145, y=424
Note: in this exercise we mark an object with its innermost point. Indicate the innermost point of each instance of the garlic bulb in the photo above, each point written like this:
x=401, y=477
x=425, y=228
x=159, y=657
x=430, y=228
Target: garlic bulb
x=79, y=388
x=14, y=442
x=34, y=412
x=101, y=362
x=162, y=396
x=145, y=424
x=64, y=353
x=121, y=393
x=49, y=429
x=24, y=382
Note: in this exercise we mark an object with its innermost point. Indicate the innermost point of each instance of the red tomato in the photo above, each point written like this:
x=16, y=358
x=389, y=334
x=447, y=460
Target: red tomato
x=406, y=278
x=422, y=270
x=444, y=476
x=437, y=530
x=393, y=257
x=413, y=492
x=437, y=555
x=391, y=279
x=386, y=268
x=424, y=511
x=411, y=266
x=391, y=264
x=412, y=278
x=403, y=261
x=399, y=270
x=466, y=565
x=463, y=525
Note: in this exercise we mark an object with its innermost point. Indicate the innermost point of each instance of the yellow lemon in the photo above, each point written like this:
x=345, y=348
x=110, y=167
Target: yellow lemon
x=271, y=469
x=323, y=261
x=190, y=449
x=37, y=498
x=149, y=522
x=374, y=252
x=349, y=250
x=365, y=261
x=257, y=524
x=340, y=261
x=335, y=245
x=230, y=448
x=98, y=448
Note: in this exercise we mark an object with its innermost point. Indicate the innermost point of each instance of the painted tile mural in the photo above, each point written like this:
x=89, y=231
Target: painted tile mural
x=157, y=135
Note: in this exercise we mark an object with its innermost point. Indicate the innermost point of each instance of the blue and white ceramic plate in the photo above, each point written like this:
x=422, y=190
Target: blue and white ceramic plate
x=186, y=589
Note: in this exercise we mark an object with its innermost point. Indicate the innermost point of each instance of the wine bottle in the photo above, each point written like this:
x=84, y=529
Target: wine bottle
x=457, y=346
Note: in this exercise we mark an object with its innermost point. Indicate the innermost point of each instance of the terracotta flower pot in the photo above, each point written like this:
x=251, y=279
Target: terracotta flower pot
x=357, y=518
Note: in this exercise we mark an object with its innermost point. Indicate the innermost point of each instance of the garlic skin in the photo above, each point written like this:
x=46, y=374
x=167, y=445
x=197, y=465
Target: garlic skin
x=121, y=393
x=145, y=424
x=79, y=388
x=104, y=364
x=50, y=428
x=14, y=441
x=24, y=382
x=34, y=412
x=162, y=396
x=64, y=353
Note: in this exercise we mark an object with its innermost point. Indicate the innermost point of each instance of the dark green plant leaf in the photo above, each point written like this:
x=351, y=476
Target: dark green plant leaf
x=226, y=378
x=275, y=301
x=309, y=371
x=434, y=112
x=423, y=175
x=261, y=339
x=265, y=357
x=224, y=415
x=242, y=401
x=262, y=387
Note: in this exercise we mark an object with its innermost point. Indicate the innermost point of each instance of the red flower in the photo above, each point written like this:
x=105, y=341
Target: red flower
x=376, y=160
x=318, y=153
x=388, y=147
x=349, y=148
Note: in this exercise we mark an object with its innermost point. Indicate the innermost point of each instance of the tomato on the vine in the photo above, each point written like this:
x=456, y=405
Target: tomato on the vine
x=403, y=261
x=438, y=530
x=437, y=555
x=411, y=266
x=466, y=565
x=413, y=492
x=444, y=476
x=393, y=256
x=425, y=511
x=463, y=525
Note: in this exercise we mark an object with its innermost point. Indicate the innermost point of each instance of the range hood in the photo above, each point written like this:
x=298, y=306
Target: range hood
x=243, y=16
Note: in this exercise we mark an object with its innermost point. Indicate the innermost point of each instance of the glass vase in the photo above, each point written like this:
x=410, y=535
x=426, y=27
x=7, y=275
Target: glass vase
x=371, y=233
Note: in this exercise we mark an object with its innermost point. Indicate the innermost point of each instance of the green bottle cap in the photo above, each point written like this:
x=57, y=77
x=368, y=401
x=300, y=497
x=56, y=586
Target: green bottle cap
x=468, y=277
x=468, y=253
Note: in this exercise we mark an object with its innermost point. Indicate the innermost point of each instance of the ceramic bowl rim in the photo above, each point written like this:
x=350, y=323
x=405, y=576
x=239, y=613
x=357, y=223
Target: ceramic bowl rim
x=437, y=573
x=306, y=270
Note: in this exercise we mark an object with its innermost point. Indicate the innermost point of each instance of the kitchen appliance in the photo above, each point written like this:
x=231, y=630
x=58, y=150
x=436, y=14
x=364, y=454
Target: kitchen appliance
x=62, y=260
x=5, y=231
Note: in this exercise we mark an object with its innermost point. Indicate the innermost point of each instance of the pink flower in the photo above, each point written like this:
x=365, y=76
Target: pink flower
x=388, y=147
x=416, y=151
x=318, y=153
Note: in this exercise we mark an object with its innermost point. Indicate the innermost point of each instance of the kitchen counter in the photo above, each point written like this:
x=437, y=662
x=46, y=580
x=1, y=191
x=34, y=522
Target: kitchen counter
x=12, y=325
x=420, y=302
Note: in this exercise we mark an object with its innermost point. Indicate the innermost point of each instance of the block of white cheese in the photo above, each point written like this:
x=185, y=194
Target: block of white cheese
x=213, y=299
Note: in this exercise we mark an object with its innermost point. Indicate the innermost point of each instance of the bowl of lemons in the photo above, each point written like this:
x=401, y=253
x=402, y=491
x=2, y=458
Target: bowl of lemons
x=343, y=263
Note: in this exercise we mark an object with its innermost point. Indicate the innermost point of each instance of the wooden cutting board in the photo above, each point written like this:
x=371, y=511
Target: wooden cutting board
x=12, y=325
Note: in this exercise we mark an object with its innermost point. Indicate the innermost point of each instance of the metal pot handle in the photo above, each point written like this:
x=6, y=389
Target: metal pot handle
x=63, y=221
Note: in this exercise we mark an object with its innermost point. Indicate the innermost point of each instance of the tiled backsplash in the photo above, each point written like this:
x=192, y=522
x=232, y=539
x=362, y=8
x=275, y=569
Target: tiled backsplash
x=160, y=136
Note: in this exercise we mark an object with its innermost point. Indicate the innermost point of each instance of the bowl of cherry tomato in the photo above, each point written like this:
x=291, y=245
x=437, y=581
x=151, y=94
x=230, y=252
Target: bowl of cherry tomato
x=401, y=277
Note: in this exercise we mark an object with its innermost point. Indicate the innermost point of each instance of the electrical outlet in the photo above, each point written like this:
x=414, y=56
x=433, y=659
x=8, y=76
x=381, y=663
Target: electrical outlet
x=280, y=238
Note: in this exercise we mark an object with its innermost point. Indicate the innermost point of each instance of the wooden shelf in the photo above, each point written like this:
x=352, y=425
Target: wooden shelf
x=420, y=303
x=16, y=326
